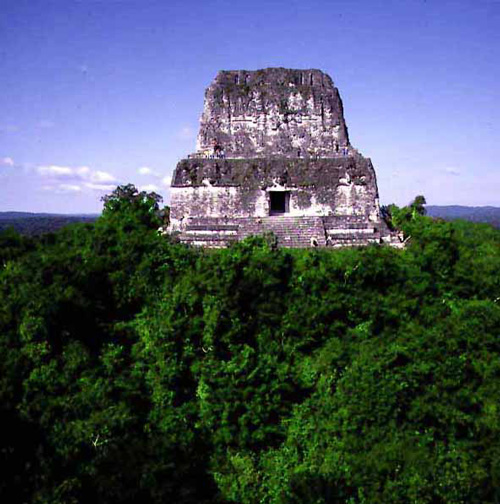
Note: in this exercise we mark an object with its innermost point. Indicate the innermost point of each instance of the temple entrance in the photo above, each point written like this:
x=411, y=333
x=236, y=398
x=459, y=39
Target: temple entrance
x=279, y=202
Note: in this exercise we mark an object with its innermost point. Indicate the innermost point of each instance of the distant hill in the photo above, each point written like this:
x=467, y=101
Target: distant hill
x=32, y=224
x=487, y=214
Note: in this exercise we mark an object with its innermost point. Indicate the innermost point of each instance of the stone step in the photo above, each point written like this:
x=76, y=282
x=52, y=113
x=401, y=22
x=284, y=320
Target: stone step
x=296, y=232
x=187, y=238
x=211, y=227
x=352, y=225
x=290, y=231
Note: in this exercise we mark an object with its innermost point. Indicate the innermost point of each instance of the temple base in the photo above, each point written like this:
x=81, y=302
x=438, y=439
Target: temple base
x=290, y=232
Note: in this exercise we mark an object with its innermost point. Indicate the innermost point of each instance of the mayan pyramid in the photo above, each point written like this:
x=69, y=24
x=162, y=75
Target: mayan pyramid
x=273, y=154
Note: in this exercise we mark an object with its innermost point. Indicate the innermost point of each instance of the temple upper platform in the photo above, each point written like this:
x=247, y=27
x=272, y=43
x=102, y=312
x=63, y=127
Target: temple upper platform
x=275, y=112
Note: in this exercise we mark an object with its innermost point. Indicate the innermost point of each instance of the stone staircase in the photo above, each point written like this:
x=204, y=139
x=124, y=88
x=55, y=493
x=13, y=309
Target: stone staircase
x=291, y=232
x=350, y=231
x=210, y=232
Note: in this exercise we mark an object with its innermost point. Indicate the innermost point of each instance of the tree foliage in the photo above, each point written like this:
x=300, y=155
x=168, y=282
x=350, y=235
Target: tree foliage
x=135, y=369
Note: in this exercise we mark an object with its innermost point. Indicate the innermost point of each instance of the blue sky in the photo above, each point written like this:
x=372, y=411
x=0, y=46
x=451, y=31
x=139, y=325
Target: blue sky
x=100, y=92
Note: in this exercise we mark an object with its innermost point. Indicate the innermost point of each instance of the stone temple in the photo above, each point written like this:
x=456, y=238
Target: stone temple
x=273, y=154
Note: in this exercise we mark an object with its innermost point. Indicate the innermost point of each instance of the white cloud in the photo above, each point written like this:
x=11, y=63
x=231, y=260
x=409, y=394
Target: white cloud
x=146, y=170
x=7, y=161
x=167, y=180
x=101, y=176
x=78, y=173
x=100, y=187
x=150, y=188
x=78, y=178
x=55, y=171
x=83, y=171
x=69, y=188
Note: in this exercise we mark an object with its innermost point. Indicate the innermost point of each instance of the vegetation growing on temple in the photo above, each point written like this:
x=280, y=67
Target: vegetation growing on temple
x=135, y=369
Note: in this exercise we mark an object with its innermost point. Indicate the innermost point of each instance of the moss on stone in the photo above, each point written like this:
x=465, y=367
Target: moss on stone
x=261, y=172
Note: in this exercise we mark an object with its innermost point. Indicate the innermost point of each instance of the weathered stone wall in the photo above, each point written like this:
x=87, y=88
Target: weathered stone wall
x=216, y=202
x=241, y=188
x=273, y=112
x=323, y=173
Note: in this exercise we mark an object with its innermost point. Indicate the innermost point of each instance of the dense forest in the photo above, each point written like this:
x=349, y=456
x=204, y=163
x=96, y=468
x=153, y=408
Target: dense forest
x=33, y=224
x=134, y=369
x=488, y=214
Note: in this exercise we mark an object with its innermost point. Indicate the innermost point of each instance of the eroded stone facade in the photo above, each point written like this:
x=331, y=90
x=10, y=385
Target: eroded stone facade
x=273, y=112
x=273, y=154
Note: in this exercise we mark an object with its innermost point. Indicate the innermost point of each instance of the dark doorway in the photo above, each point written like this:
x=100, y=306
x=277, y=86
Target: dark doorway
x=280, y=202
